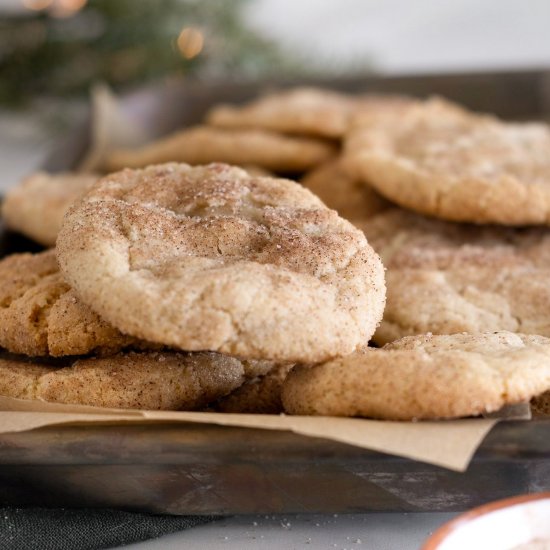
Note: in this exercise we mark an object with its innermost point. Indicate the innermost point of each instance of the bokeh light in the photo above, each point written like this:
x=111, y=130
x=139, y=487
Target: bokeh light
x=190, y=42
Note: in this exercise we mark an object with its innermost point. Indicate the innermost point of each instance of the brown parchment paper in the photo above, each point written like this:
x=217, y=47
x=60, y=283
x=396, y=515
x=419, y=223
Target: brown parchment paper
x=449, y=444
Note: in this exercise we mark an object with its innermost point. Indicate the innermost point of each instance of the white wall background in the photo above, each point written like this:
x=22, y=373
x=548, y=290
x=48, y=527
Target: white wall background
x=412, y=35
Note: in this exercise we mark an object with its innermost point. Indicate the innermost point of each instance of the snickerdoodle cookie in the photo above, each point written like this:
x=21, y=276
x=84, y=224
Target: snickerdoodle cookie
x=146, y=380
x=204, y=144
x=37, y=205
x=259, y=395
x=424, y=377
x=212, y=258
x=41, y=315
x=447, y=278
x=442, y=160
x=303, y=111
x=351, y=198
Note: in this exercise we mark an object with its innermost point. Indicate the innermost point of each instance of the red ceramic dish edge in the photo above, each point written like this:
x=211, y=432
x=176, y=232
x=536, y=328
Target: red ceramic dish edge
x=445, y=530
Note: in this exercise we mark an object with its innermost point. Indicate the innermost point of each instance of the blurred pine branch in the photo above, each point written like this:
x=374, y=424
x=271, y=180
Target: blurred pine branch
x=126, y=42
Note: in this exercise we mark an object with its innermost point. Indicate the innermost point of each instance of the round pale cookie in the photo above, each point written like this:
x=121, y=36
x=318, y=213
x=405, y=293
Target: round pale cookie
x=439, y=159
x=351, y=198
x=306, y=111
x=147, y=380
x=260, y=395
x=37, y=205
x=302, y=111
x=447, y=278
x=424, y=377
x=212, y=258
x=204, y=144
x=41, y=315
x=404, y=239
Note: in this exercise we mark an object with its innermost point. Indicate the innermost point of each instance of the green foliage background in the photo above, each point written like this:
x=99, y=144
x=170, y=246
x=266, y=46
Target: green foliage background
x=125, y=42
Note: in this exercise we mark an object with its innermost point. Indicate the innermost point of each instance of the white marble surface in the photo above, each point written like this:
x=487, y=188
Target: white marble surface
x=319, y=532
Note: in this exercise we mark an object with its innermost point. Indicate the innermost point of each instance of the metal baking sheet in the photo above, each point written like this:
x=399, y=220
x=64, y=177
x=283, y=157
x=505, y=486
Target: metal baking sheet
x=207, y=469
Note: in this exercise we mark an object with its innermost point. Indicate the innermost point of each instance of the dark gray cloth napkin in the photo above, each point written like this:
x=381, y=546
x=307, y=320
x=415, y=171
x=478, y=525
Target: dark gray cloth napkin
x=84, y=529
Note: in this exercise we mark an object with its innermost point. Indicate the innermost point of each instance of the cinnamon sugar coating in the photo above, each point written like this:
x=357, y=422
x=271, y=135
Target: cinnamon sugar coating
x=147, y=380
x=447, y=278
x=41, y=315
x=439, y=159
x=424, y=377
x=212, y=258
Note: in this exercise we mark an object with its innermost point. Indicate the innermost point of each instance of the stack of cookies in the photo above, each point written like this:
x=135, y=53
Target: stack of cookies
x=179, y=284
x=203, y=286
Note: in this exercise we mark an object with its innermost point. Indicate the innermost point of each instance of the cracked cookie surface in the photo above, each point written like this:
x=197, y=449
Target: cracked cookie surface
x=439, y=159
x=424, y=377
x=204, y=144
x=145, y=380
x=447, y=278
x=212, y=258
x=41, y=315
x=37, y=205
